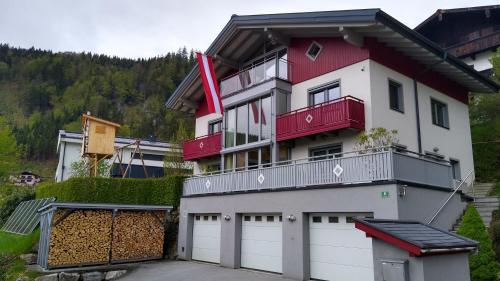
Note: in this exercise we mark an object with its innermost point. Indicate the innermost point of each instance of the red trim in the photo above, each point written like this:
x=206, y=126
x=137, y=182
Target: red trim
x=393, y=59
x=201, y=147
x=412, y=249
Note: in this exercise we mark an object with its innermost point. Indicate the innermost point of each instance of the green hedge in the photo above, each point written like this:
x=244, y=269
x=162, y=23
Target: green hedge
x=483, y=266
x=157, y=191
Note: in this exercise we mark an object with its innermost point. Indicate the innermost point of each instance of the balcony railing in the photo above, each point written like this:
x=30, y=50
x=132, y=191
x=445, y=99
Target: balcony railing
x=345, y=112
x=384, y=164
x=202, y=147
x=256, y=74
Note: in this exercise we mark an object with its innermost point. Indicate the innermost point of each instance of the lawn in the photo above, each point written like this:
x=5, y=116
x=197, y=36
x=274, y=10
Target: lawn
x=11, y=246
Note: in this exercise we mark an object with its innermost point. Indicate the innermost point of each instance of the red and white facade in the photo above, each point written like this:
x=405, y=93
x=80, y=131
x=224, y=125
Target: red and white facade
x=297, y=90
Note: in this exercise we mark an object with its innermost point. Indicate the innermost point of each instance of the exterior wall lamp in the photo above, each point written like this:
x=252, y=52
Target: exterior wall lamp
x=291, y=218
x=227, y=217
x=402, y=190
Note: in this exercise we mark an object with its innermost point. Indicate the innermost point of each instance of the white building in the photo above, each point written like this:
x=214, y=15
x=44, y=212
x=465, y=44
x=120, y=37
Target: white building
x=69, y=147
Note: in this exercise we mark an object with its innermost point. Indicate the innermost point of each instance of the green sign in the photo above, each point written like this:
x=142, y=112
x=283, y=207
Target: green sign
x=384, y=194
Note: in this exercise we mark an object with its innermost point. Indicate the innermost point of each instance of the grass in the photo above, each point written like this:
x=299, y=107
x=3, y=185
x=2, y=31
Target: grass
x=11, y=246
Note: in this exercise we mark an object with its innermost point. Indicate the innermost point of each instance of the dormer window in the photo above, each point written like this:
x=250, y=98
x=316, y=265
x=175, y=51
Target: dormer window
x=314, y=50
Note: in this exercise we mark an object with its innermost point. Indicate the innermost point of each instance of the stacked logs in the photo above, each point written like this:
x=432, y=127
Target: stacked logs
x=82, y=237
x=137, y=235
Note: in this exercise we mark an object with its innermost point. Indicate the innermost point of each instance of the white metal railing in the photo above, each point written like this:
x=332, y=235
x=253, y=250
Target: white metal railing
x=255, y=74
x=468, y=180
x=381, y=164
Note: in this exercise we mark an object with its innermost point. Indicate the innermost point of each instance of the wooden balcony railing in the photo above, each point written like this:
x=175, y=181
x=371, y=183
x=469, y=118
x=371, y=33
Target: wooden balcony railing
x=202, y=147
x=345, y=112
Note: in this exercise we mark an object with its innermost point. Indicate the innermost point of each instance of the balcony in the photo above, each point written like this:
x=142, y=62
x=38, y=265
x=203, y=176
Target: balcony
x=201, y=147
x=383, y=164
x=342, y=113
x=256, y=74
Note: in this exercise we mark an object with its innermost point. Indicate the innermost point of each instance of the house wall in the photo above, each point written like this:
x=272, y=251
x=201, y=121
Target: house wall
x=355, y=199
x=426, y=268
x=481, y=61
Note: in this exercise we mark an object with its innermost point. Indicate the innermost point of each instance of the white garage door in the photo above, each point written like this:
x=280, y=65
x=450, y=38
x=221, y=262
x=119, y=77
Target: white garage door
x=206, y=238
x=339, y=252
x=261, y=242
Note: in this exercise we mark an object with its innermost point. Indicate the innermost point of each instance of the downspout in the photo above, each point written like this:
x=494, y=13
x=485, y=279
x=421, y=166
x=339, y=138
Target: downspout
x=417, y=108
x=62, y=166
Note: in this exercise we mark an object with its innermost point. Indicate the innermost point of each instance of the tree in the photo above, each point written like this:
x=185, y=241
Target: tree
x=81, y=169
x=174, y=162
x=9, y=151
x=376, y=139
x=483, y=266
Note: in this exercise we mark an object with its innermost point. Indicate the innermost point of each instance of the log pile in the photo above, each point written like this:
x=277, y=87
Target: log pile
x=137, y=235
x=82, y=237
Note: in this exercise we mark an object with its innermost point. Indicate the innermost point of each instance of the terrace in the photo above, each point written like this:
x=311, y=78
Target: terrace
x=376, y=165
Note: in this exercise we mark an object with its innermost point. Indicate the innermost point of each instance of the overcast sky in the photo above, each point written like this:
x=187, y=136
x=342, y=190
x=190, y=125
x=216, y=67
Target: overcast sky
x=146, y=28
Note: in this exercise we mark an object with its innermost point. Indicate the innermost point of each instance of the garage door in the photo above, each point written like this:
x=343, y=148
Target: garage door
x=339, y=252
x=261, y=242
x=206, y=238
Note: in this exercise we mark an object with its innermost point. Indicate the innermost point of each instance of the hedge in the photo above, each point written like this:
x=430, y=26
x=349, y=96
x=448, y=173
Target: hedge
x=154, y=191
x=483, y=266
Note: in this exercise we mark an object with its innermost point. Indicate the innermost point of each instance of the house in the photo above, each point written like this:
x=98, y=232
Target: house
x=26, y=178
x=69, y=148
x=278, y=181
x=471, y=34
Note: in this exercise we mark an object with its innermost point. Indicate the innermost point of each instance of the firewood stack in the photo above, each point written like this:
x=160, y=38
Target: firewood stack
x=83, y=237
x=137, y=235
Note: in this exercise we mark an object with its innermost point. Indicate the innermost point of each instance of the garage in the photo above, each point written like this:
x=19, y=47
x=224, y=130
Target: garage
x=206, y=238
x=261, y=242
x=338, y=251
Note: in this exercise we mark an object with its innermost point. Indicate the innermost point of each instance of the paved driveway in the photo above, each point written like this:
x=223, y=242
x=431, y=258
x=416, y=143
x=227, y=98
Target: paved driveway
x=193, y=271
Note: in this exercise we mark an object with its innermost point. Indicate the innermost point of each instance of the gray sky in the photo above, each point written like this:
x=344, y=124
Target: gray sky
x=146, y=28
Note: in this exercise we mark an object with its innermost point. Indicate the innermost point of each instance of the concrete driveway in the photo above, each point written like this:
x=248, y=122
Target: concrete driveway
x=194, y=271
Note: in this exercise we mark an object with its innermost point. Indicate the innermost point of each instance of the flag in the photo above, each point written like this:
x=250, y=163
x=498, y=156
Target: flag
x=210, y=86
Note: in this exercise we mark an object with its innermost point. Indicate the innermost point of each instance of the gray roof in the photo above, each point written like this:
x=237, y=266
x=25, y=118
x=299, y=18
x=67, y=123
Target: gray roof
x=424, y=236
x=120, y=140
x=242, y=36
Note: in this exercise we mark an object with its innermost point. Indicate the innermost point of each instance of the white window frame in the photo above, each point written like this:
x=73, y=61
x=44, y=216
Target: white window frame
x=309, y=49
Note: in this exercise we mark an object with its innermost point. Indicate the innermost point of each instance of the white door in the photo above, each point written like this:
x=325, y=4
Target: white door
x=206, y=238
x=261, y=242
x=339, y=251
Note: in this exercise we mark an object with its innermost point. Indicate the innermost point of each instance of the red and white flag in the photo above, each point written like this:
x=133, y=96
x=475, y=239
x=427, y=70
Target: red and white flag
x=212, y=93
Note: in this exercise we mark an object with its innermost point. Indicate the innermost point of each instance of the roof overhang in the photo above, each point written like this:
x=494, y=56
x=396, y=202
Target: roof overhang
x=244, y=35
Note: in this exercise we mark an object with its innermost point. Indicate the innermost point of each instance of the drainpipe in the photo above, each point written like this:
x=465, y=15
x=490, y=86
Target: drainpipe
x=417, y=108
x=63, y=164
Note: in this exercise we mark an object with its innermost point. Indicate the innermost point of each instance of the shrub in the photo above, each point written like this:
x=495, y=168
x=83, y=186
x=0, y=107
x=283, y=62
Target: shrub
x=483, y=266
x=154, y=191
x=10, y=197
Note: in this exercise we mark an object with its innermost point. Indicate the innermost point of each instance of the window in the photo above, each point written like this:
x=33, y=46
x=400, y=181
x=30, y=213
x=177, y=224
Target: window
x=197, y=218
x=240, y=160
x=241, y=124
x=250, y=159
x=349, y=220
x=266, y=156
x=253, y=121
x=313, y=50
x=230, y=127
x=280, y=218
x=228, y=162
x=439, y=114
x=214, y=127
x=247, y=218
x=396, y=96
x=253, y=159
x=326, y=152
x=258, y=218
x=333, y=219
x=455, y=169
x=265, y=118
x=284, y=153
x=317, y=219
x=205, y=218
x=152, y=157
x=325, y=93
x=270, y=218
x=214, y=218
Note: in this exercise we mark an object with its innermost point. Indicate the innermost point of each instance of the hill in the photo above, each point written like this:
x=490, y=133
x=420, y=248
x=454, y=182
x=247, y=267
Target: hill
x=42, y=92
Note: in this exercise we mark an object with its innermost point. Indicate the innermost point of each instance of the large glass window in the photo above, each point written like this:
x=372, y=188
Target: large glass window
x=228, y=162
x=240, y=160
x=241, y=124
x=440, y=114
x=230, y=127
x=253, y=121
x=266, y=118
x=324, y=94
x=253, y=159
x=266, y=156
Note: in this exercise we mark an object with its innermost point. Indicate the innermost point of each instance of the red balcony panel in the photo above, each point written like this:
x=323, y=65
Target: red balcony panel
x=202, y=147
x=342, y=113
